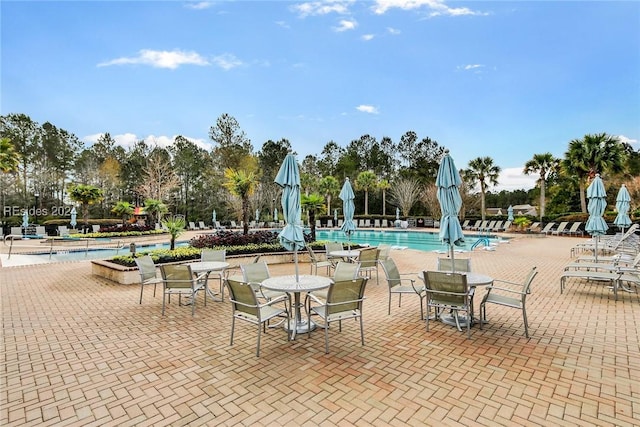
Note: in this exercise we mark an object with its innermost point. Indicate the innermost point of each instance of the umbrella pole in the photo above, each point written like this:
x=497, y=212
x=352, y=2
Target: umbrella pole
x=295, y=260
x=453, y=263
x=596, y=254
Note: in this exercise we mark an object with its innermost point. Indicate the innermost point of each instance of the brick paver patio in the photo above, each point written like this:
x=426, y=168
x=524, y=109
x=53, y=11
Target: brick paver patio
x=78, y=350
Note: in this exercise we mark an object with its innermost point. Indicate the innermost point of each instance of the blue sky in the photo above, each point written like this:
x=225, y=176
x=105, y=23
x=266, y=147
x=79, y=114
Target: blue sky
x=499, y=78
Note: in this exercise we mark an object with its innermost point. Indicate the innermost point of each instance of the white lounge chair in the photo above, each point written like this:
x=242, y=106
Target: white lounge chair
x=547, y=228
x=558, y=231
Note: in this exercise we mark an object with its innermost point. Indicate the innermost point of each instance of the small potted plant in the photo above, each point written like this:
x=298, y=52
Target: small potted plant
x=521, y=223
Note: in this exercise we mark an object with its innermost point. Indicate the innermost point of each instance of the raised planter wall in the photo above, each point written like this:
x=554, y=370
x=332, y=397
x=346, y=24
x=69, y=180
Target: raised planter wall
x=129, y=275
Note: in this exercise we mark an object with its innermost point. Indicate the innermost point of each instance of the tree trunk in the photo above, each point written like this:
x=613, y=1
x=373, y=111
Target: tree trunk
x=245, y=216
x=583, y=200
x=312, y=220
x=542, y=198
x=366, y=203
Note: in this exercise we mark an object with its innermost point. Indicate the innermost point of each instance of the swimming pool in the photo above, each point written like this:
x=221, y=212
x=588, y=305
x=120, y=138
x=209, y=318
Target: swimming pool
x=422, y=241
x=79, y=254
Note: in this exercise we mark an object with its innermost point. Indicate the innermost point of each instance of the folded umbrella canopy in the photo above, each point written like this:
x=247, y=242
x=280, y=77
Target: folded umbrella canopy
x=596, y=225
x=74, y=216
x=347, y=196
x=510, y=213
x=291, y=236
x=448, y=180
x=623, y=200
x=25, y=221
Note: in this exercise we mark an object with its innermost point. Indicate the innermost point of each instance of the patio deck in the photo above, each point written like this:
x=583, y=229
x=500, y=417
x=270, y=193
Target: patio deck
x=77, y=350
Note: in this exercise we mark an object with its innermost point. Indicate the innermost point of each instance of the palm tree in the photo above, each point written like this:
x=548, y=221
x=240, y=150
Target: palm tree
x=9, y=157
x=591, y=155
x=366, y=181
x=175, y=227
x=313, y=203
x=155, y=208
x=329, y=187
x=242, y=184
x=86, y=195
x=482, y=170
x=123, y=209
x=384, y=185
x=543, y=164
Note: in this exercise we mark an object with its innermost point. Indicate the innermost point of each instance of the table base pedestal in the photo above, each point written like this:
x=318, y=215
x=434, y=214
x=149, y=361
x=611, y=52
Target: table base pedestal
x=299, y=327
x=451, y=320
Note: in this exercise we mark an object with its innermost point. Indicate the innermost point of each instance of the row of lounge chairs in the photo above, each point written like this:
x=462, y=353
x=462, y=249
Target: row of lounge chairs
x=487, y=226
x=361, y=223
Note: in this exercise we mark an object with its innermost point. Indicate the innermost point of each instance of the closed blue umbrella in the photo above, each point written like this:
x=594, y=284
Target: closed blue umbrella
x=622, y=206
x=275, y=214
x=25, y=221
x=510, y=213
x=291, y=236
x=74, y=215
x=596, y=225
x=448, y=180
x=347, y=196
x=213, y=217
x=335, y=216
x=397, y=214
x=257, y=215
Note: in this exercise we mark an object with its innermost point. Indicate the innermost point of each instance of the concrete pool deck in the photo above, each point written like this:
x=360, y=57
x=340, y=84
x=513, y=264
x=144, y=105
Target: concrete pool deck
x=78, y=350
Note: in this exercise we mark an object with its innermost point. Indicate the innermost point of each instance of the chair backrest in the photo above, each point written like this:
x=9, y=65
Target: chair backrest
x=255, y=272
x=346, y=295
x=506, y=225
x=243, y=298
x=213, y=255
x=63, y=230
x=346, y=271
x=40, y=230
x=391, y=272
x=526, y=286
x=16, y=230
x=333, y=246
x=376, y=223
x=312, y=255
x=146, y=267
x=465, y=223
x=201, y=225
x=368, y=257
x=329, y=223
x=447, y=288
x=177, y=276
x=497, y=226
x=385, y=251
x=562, y=226
x=548, y=227
x=458, y=264
x=574, y=227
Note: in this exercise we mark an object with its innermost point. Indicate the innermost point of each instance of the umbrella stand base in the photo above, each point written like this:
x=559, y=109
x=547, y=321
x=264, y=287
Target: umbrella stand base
x=302, y=326
x=451, y=320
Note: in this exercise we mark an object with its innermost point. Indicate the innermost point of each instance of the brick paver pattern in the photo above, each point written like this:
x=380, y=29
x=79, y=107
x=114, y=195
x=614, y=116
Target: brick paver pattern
x=79, y=350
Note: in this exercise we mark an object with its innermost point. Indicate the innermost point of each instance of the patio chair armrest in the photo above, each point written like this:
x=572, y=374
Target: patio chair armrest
x=513, y=291
x=504, y=281
x=274, y=300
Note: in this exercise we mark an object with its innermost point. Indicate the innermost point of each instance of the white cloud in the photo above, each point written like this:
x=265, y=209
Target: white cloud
x=367, y=109
x=322, y=7
x=283, y=24
x=471, y=66
x=367, y=37
x=346, y=25
x=627, y=140
x=437, y=7
x=227, y=61
x=160, y=59
x=199, y=5
x=393, y=31
x=511, y=179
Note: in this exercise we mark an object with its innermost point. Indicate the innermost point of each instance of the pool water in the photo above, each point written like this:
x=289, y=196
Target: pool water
x=422, y=241
x=419, y=240
x=92, y=254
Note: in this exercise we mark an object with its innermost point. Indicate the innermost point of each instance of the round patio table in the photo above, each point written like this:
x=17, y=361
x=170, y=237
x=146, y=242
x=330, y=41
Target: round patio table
x=289, y=284
x=208, y=267
x=348, y=256
x=473, y=280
